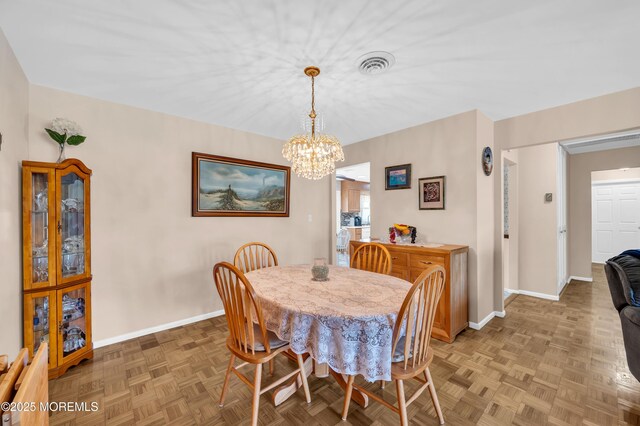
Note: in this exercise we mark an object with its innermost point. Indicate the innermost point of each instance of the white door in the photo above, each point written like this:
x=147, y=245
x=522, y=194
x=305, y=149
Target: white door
x=616, y=218
x=562, y=218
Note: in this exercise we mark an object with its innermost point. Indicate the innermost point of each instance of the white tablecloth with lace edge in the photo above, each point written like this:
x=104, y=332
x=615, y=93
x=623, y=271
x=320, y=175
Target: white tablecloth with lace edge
x=346, y=322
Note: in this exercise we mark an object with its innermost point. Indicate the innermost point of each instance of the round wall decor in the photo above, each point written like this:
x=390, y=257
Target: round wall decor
x=487, y=161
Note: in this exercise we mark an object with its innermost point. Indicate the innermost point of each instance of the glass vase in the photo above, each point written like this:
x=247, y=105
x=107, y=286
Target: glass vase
x=320, y=269
x=61, y=156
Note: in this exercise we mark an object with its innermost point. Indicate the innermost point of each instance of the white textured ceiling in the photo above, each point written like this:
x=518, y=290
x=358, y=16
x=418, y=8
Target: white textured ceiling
x=238, y=63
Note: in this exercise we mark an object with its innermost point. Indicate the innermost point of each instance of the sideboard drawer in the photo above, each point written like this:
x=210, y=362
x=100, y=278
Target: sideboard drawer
x=424, y=260
x=398, y=258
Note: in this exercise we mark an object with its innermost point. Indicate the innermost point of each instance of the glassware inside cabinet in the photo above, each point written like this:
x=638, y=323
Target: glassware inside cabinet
x=74, y=324
x=72, y=225
x=39, y=227
x=40, y=321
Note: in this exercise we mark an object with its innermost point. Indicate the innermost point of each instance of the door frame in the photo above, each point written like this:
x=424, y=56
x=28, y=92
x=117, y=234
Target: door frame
x=561, y=193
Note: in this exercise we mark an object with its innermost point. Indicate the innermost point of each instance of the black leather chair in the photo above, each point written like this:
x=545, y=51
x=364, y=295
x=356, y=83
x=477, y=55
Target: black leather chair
x=620, y=271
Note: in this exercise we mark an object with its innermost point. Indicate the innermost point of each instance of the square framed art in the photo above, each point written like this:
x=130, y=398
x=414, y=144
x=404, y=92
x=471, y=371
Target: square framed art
x=431, y=193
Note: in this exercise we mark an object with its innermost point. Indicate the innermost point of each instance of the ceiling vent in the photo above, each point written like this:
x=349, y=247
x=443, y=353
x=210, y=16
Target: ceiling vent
x=375, y=62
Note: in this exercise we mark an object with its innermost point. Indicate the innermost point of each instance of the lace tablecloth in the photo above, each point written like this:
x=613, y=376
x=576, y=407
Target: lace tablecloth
x=346, y=322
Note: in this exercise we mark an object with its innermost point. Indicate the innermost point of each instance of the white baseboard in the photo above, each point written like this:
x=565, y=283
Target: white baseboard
x=508, y=290
x=587, y=279
x=485, y=320
x=155, y=329
x=561, y=288
x=539, y=295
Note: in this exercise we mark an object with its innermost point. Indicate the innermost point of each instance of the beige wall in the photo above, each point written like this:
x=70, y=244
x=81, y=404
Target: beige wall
x=485, y=225
x=580, y=167
x=616, y=174
x=151, y=260
x=537, y=219
x=14, y=106
x=610, y=113
x=447, y=147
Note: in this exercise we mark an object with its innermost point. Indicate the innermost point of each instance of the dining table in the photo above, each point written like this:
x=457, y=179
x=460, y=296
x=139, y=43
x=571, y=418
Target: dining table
x=344, y=323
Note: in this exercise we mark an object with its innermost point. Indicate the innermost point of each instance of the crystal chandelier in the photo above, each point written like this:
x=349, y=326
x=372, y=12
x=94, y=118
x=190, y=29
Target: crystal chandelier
x=313, y=155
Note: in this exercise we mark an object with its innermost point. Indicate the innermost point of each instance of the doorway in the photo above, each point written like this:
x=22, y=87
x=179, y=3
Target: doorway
x=534, y=232
x=353, y=208
x=510, y=223
x=615, y=212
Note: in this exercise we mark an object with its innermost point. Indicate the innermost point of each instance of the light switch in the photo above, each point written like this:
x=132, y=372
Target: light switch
x=310, y=217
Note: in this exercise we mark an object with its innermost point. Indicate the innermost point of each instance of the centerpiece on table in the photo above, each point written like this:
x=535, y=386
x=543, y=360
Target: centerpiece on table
x=320, y=269
x=65, y=132
x=402, y=232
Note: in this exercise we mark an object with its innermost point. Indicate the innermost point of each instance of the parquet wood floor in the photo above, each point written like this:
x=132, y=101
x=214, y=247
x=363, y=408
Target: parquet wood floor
x=558, y=363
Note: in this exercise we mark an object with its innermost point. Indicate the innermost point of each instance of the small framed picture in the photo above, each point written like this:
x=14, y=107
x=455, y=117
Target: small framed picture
x=431, y=193
x=398, y=177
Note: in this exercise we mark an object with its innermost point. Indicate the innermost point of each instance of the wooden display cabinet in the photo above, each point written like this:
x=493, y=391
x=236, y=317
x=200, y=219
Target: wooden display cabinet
x=56, y=229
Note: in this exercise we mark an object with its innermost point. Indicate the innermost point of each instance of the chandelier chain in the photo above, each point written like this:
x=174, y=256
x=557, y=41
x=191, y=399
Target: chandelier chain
x=312, y=114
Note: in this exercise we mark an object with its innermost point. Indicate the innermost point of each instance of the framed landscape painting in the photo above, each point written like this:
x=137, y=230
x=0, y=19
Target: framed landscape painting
x=397, y=177
x=224, y=186
x=431, y=193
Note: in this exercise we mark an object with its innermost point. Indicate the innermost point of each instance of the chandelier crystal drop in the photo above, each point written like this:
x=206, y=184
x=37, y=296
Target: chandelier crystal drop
x=313, y=155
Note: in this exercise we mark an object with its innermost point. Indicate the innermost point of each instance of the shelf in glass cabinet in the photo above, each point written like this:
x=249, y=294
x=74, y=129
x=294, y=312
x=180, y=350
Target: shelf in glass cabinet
x=64, y=253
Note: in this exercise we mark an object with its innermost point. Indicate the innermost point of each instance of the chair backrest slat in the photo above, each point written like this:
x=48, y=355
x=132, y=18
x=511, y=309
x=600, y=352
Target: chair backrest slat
x=417, y=315
x=372, y=257
x=255, y=255
x=240, y=307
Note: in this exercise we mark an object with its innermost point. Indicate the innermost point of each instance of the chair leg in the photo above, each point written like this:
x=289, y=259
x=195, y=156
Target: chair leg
x=402, y=403
x=271, y=367
x=303, y=376
x=347, y=397
x=256, y=395
x=225, y=386
x=434, y=395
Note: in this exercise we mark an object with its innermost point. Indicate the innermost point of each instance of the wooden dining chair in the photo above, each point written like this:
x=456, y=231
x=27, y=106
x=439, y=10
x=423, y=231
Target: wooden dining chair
x=254, y=255
x=249, y=340
x=372, y=257
x=411, y=351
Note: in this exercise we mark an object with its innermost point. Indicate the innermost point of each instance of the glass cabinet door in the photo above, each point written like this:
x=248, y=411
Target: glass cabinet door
x=39, y=231
x=72, y=194
x=40, y=323
x=74, y=320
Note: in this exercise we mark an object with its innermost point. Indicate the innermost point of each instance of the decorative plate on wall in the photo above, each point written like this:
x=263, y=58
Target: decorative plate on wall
x=487, y=161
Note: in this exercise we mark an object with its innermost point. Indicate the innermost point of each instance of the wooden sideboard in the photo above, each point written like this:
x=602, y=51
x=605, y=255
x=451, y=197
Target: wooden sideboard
x=408, y=262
